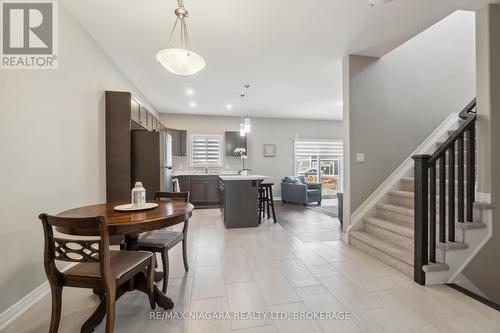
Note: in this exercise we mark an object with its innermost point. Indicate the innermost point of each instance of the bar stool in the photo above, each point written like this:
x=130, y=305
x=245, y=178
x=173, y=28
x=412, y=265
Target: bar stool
x=266, y=201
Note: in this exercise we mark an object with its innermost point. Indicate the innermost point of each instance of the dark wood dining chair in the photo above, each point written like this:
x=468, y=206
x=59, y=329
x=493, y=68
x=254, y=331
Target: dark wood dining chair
x=95, y=266
x=160, y=241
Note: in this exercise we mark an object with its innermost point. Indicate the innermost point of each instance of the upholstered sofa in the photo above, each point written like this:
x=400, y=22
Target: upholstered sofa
x=296, y=190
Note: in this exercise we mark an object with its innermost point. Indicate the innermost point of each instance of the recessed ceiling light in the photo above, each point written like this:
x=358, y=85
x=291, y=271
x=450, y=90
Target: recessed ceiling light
x=192, y=104
x=374, y=3
x=229, y=106
x=190, y=91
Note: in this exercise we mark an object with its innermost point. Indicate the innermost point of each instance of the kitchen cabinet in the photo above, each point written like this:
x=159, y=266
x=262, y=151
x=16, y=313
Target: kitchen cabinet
x=147, y=119
x=179, y=142
x=198, y=190
x=134, y=110
x=142, y=116
x=124, y=113
x=182, y=143
x=234, y=140
x=204, y=188
x=212, y=190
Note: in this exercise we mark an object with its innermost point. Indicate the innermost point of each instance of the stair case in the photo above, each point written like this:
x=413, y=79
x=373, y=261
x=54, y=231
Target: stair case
x=401, y=223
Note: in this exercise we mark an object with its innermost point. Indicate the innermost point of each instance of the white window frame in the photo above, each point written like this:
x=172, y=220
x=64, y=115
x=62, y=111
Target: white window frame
x=220, y=138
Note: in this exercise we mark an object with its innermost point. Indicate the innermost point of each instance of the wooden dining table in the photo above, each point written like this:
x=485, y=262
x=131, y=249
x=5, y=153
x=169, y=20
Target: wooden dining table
x=130, y=225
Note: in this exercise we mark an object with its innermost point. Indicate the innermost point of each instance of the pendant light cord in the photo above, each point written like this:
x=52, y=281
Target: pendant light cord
x=172, y=33
x=185, y=42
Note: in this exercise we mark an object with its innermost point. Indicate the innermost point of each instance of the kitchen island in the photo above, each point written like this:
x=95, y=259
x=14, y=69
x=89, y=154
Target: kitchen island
x=239, y=196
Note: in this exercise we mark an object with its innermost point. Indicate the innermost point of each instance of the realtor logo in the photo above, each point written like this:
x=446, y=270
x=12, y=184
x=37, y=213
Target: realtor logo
x=29, y=34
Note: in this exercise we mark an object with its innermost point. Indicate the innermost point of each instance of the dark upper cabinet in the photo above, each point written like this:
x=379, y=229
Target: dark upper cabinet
x=134, y=110
x=179, y=142
x=234, y=140
x=175, y=140
x=182, y=143
x=147, y=121
x=143, y=116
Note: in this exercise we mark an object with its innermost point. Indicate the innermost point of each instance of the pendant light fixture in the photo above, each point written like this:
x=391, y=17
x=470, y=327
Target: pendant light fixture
x=245, y=124
x=181, y=61
x=243, y=132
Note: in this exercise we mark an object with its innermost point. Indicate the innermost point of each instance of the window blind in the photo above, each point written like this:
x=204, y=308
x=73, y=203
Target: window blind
x=317, y=148
x=206, y=150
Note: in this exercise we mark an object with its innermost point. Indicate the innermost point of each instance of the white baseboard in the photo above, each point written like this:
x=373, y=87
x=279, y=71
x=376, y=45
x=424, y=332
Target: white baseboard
x=21, y=306
x=24, y=304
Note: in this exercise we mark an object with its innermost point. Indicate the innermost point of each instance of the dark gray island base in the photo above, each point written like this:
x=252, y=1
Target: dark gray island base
x=239, y=197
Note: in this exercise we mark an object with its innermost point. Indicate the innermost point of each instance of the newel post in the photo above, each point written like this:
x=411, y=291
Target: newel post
x=421, y=215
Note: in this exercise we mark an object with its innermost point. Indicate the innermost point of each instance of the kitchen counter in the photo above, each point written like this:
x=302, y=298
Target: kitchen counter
x=239, y=177
x=201, y=173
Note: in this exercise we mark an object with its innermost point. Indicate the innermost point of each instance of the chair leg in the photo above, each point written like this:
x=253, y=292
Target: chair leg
x=272, y=205
x=110, y=309
x=268, y=203
x=184, y=253
x=151, y=280
x=164, y=261
x=56, y=308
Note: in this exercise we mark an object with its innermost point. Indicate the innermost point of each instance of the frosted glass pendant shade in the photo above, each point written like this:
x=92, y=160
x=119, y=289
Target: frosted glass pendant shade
x=181, y=61
x=247, y=125
x=242, y=129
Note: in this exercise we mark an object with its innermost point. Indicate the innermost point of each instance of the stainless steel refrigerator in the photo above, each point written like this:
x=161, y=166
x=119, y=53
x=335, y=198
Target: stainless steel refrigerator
x=152, y=161
x=165, y=162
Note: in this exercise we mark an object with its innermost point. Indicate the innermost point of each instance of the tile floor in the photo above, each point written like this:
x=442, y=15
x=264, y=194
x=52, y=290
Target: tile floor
x=298, y=265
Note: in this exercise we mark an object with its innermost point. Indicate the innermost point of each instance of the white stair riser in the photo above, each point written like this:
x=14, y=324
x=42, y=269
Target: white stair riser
x=385, y=258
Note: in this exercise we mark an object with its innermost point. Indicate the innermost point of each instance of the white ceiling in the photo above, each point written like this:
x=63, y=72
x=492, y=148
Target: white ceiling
x=290, y=51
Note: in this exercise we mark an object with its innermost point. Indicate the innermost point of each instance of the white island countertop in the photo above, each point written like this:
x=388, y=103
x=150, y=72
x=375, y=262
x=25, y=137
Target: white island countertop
x=238, y=177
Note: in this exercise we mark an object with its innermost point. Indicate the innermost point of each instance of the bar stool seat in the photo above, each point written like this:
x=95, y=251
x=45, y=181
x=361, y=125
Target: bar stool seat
x=266, y=201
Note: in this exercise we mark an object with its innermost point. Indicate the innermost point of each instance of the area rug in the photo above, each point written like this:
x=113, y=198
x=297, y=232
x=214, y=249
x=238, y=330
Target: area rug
x=327, y=210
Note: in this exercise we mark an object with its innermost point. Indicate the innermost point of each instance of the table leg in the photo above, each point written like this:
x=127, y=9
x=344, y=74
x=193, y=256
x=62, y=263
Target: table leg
x=100, y=312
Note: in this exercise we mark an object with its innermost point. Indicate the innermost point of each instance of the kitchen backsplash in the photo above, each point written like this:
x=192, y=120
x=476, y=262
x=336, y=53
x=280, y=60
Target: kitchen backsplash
x=181, y=163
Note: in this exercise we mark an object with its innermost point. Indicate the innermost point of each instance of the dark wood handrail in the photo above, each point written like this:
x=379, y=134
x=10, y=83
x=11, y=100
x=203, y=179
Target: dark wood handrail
x=469, y=115
x=460, y=171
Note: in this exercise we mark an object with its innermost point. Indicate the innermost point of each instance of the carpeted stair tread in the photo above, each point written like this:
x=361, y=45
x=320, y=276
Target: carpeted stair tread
x=405, y=230
x=395, y=209
x=394, y=250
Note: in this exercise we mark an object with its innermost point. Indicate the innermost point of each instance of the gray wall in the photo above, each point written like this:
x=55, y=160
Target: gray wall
x=398, y=100
x=281, y=132
x=52, y=148
x=484, y=270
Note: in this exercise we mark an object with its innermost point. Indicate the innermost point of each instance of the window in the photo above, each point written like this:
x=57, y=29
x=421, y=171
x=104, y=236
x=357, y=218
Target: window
x=320, y=161
x=206, y=151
